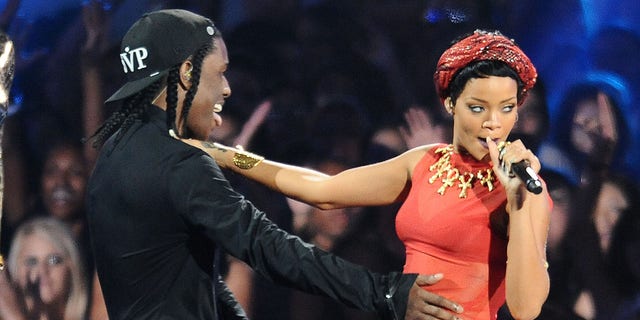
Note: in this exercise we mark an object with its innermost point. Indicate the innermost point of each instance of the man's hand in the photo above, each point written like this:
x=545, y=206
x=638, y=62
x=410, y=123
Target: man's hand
x=423, y=304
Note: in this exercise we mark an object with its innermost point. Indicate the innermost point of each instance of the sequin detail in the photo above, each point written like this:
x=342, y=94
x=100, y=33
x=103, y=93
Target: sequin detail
x=483, y=45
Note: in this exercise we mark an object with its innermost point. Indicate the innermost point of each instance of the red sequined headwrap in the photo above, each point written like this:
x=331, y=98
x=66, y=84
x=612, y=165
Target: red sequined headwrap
x=482, y=45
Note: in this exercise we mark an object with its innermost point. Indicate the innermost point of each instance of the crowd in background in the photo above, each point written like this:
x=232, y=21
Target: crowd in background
x=328, y=85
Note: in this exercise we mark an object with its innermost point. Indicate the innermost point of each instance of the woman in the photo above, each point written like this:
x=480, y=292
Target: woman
x=160, y=212
x=463, y=214
x=46, y=267
x=598, y=275
x=590, y=140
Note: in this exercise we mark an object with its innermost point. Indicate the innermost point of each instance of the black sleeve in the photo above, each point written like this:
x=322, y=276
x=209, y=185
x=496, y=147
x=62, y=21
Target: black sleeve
x=207, y=202
x=228, y=306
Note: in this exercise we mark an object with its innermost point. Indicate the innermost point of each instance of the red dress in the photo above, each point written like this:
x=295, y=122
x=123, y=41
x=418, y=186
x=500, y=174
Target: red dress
x=444, y=233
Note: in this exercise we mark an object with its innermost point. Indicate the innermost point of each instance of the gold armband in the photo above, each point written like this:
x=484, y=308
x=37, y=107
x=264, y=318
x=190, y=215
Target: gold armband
x=245, y=159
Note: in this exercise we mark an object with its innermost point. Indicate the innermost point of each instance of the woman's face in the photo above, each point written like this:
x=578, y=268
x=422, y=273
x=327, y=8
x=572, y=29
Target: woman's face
x=611, y=203
x=63, y=183
x=487, y=107
x=43, y=271
x=213, y=90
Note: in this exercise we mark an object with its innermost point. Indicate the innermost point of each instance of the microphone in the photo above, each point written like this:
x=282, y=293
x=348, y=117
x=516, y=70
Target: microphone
x=523, y=171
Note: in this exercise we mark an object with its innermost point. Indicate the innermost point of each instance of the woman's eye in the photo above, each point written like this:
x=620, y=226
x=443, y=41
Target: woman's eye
x=54, y=260
x=476, y=108
x=508, y=108
x=31, y=261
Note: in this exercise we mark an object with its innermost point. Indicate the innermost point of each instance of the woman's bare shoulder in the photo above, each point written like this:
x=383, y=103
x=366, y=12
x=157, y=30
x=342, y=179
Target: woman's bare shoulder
x=420, y=151
x=412, y=156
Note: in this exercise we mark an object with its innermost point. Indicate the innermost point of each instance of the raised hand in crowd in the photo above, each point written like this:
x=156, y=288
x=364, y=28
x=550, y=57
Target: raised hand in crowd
x=252, y=125
x=421, y=129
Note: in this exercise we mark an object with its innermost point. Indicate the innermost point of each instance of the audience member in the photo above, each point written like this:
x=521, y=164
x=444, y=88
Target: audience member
x=48, y=274
x=339, y=129
x=590, y=136
x=594, y=291
x=62, y=185
x=324, y=229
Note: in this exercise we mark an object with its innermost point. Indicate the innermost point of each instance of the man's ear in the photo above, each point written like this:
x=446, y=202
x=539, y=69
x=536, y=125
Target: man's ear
x=185, y=74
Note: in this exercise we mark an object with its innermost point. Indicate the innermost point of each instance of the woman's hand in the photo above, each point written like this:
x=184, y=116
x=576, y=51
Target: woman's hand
x=503, y=158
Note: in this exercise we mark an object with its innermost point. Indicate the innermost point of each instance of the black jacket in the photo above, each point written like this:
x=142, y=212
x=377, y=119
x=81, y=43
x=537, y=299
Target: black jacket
x=159, y=209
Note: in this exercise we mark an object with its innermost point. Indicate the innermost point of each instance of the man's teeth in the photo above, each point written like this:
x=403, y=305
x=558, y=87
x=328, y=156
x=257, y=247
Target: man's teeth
x=61, y=194
x=217, y=107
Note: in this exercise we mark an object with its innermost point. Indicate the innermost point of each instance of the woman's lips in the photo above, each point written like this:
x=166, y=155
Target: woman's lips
x=483, y=142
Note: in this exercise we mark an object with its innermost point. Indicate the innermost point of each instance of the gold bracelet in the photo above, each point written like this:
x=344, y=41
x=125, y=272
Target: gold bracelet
x=245, y=160
x=1, y=263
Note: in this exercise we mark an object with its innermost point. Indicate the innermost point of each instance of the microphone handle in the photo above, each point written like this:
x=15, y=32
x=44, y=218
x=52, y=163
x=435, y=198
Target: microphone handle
x=528, y=176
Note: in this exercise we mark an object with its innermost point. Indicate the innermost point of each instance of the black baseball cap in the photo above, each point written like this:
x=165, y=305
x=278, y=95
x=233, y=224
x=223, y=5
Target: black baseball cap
x=158, y=41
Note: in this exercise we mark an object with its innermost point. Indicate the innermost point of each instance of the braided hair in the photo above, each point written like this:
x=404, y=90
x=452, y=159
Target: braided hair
x=191, y=93
x=133, y=108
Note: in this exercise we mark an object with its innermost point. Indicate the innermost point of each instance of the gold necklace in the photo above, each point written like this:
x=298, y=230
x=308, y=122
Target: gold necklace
x=449, y=174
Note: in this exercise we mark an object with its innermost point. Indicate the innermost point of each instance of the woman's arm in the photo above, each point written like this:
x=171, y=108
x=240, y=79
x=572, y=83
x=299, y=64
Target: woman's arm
x=377, y=184
x=527, y=280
